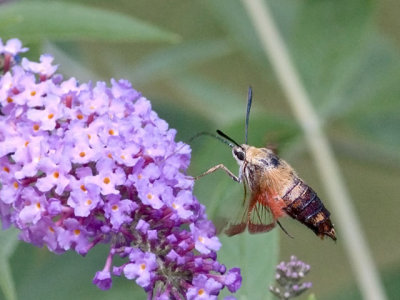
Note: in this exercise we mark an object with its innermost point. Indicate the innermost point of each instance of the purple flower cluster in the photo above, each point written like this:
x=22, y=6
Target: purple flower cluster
x=288, y=276
x=82, y=164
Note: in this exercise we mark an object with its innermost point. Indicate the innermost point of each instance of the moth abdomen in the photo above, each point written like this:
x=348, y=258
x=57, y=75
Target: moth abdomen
x=304, y=205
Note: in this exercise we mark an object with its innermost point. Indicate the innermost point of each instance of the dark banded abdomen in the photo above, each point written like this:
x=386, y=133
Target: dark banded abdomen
x=304, y=205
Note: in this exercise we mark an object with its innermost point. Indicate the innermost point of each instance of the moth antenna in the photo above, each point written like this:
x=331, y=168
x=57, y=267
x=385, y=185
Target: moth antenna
x=284, y=230
x=227, y=142
x=249, y=100
x=228, y=138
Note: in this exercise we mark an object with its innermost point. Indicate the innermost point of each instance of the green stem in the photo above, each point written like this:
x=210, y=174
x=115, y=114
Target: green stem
x=348, y=222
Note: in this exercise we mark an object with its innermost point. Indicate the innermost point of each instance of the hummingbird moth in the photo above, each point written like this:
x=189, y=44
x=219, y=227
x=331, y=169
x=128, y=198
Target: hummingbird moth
x=276, y=190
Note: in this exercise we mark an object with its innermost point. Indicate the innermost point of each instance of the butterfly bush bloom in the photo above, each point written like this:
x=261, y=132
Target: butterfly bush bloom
x=83, y=164
x=288, y=276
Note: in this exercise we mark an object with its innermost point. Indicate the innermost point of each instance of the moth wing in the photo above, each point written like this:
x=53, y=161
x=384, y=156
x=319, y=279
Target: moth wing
x=234, y=204
x=252, y=214
x=238, y=223
x=260, y=218
x=232, y=220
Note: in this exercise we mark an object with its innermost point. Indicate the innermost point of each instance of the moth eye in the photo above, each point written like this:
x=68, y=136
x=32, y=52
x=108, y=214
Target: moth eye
x=239, y=155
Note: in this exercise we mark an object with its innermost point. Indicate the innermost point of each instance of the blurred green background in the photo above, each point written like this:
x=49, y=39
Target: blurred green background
x=195, y=60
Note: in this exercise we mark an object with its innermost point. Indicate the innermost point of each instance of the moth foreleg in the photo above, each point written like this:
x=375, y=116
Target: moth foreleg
x=215, y=168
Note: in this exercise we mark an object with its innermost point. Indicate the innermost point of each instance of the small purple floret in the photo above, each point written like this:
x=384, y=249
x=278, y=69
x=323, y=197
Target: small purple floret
x=288, y=276
x=103, y=280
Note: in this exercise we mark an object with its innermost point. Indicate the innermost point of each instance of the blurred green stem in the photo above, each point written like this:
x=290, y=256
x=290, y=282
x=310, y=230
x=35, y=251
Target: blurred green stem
x=348, y=222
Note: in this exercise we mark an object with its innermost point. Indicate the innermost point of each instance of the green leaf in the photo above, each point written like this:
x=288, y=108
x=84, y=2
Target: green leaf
x=6, y=281
x=327, y=40
x=391, y=279
x=372, y=86
x=256, y=256
x=41, y=274
x=169, y=61
x=8, y=242
x=224, y=107
x=239, y=28
x=69, y=65
x=213, y=101
x=374, y=94
x=237, y=25
x=312, y=297
x=31, y=21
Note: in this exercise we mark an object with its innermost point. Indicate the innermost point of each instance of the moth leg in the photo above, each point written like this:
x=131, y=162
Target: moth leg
x=220, y=166
x=284, y=230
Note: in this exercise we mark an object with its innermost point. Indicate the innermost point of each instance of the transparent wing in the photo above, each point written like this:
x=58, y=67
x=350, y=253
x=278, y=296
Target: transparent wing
x=234, y=214
x=260, y=219
x=253, y=214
